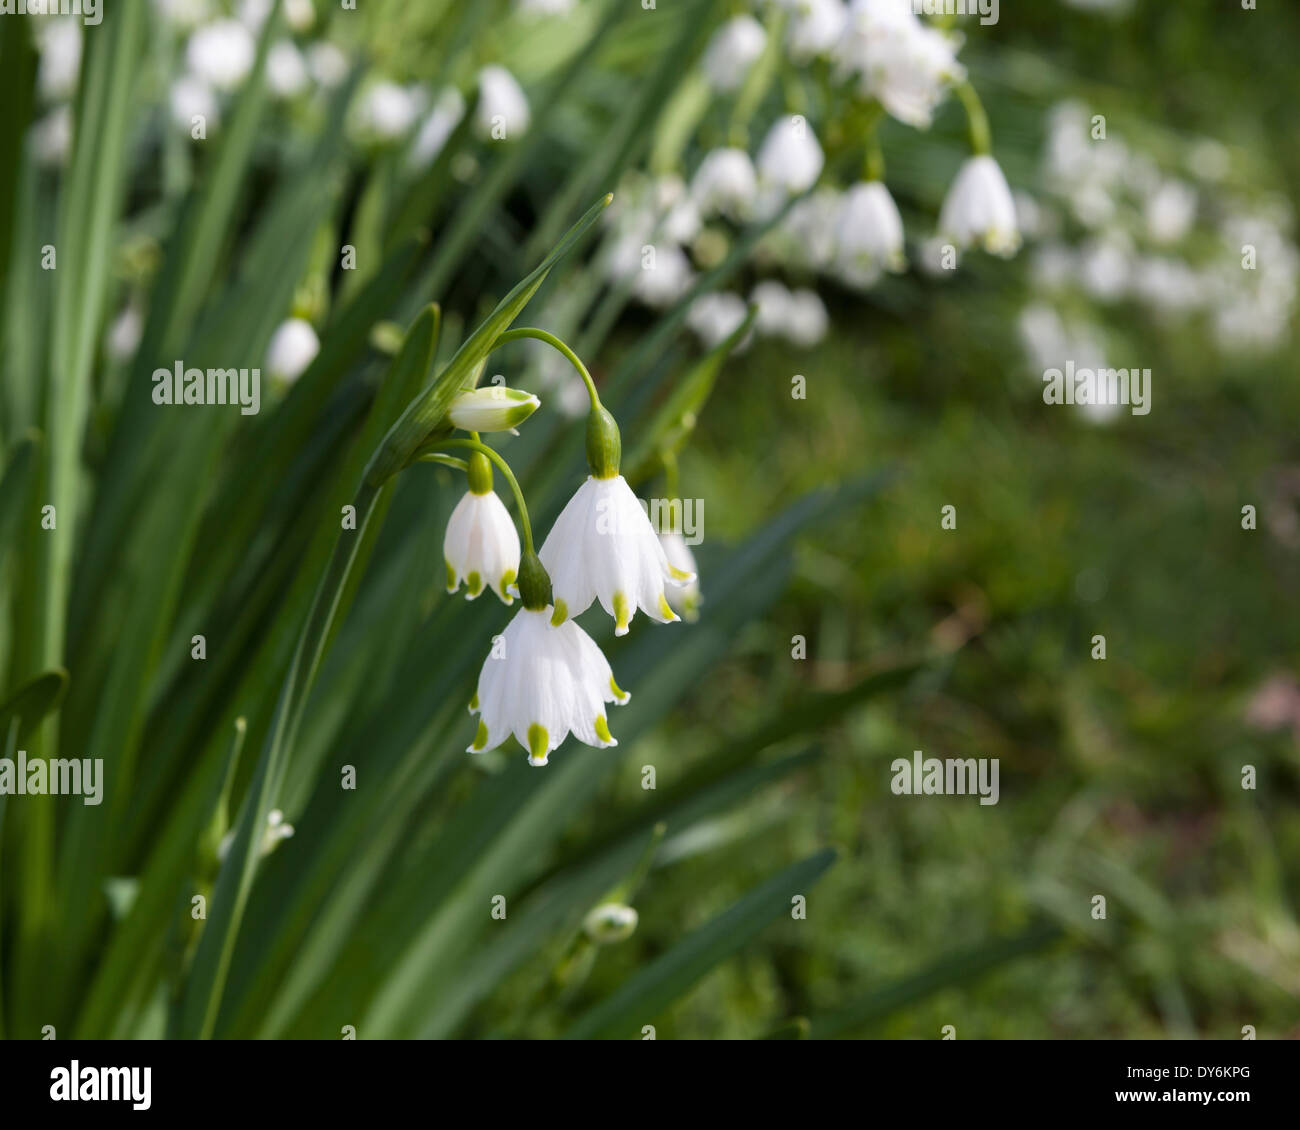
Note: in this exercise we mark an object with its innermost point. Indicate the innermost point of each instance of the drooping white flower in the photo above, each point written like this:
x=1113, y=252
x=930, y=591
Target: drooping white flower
x=680, y=214
x=726, y=184
x=610, y=923
x=60, y=46
x=293, y=347
x=790, y=158
x=663, y=275
x=899, y=60
x=385, y=112
x=870, y=234
x=286, y=71
x=327, y=63
x=123, y=337
x=541, y=683
x=481, y=546
x=603, y=547
x=682, y=599
x=492, y=408
x=806, y=318
x=437, y=127
x=502, y=110
x=979, y=210
x=807, y=236
x=815, y=28
x=732, y=51
x=773, y=301
x=191, y=97
x=715, y=317
x=221, y=53
x=1170, y=211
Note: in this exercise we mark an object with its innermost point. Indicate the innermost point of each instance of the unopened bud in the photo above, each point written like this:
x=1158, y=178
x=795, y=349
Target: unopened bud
x=493, y=408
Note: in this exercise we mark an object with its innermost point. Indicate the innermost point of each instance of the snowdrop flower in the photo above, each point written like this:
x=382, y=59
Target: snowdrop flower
x=681, y=216
x=221, y=53
x=327, y=63
x=734, y=48
x=549, y=681
x=715, y=317
x=900, y=61
x=492, y=408
x=502, y=109
x=683, y=599
x=726, y=184
x=544, y=679
x=191, y=97
x=603, y=547
x=790, y=157
x=481, y=546
x=386, y=112
x=806, y=318
x=613, y=922
x=60, y=60
x=815, y=28
x=123, y=335
x=808, y=236
x=286, y=72
x=293, y=347
x=869, y=234
x=663, y=279
x=979, y=209
x=1170, y=211
x=773, y=301
x=437, y=127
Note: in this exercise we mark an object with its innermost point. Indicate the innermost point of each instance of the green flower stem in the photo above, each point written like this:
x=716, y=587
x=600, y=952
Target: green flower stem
x=981, y=139
x=669, y=460
x=495, y=456
x=555, y=343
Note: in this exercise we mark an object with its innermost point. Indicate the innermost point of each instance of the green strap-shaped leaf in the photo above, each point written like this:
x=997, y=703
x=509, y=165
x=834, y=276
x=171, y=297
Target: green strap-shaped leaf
x=32, y=701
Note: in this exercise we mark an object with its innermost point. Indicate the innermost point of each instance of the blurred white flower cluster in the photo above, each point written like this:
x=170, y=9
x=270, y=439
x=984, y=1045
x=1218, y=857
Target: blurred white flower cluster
x=666, y=228
x=1179, y=244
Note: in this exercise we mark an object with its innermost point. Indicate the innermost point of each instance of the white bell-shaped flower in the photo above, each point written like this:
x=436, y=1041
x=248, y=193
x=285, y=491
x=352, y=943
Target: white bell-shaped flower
x=502, y=110
x=542, y=682
x=481, y=546
x=869, y=234
x=790, y=158
x=725, y=183
x=603, y=547
x=734, y=48
x=683, y=599
x=979, y=210
x=293, y=347
x=286, y=70
x=221, y=53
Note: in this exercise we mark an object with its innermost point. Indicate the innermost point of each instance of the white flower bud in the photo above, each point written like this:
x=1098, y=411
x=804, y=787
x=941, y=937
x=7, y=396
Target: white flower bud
x=492, y=408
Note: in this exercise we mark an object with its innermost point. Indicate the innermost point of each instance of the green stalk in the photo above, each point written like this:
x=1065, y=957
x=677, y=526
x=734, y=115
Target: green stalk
x=503, y=466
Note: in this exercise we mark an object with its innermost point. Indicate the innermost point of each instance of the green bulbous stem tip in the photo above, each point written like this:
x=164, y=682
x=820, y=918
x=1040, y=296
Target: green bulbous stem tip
x=479, y=474
x=534, y=582
x=604, y=444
